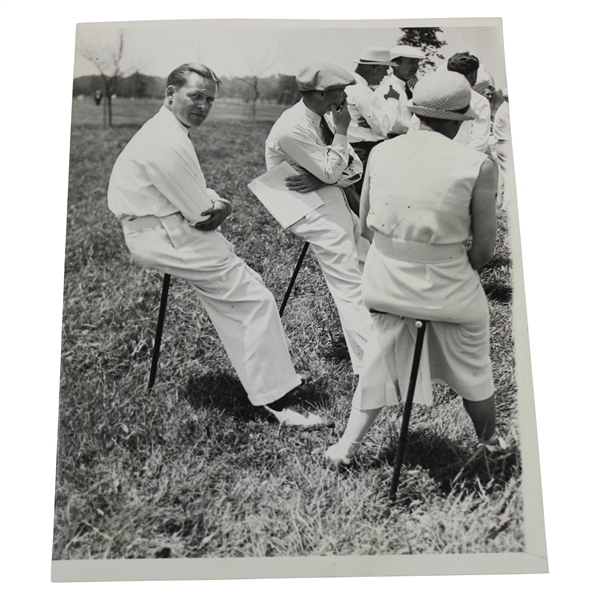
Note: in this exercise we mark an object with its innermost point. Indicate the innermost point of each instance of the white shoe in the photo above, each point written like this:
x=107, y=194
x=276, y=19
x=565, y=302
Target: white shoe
x=289, y=417
x=338, y=455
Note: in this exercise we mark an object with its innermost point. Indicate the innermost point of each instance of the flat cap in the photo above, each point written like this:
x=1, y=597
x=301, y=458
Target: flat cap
x=406, y=52
x=323, y=76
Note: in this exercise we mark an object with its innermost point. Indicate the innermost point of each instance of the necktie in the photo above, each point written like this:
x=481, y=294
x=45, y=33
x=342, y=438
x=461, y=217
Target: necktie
x=327, y=134
x=412, y=81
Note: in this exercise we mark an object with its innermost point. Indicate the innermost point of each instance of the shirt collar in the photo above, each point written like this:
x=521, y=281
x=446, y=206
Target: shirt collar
x=167, y=116
x=310, y=114
x=395, y=79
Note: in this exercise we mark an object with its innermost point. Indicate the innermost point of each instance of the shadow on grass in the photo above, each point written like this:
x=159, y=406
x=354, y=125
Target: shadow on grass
x=337, y=351
x=496, y=280
x=498, y=292
x=449, y=464
x=219, y=390
x=224, y=392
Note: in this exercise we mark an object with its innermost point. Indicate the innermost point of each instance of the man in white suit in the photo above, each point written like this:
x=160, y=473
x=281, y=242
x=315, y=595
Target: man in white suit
x=170, y=220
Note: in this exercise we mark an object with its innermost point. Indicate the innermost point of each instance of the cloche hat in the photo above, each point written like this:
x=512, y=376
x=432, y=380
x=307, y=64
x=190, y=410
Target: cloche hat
x=441, y=94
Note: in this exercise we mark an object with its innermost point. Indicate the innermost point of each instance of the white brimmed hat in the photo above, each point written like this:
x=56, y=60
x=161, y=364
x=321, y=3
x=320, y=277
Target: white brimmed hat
x=323, y=76
x=441, y=94
x=374, y=56
x=406, y=52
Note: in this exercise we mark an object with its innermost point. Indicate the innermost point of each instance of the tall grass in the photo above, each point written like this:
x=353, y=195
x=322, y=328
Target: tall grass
x=192, y=469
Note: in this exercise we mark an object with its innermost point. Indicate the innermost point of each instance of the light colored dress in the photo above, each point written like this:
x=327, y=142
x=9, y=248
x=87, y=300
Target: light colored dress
x=420, y=187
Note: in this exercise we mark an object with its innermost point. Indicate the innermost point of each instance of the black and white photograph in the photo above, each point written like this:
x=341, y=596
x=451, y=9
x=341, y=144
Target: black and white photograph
x=294, y=337
x=288, y=322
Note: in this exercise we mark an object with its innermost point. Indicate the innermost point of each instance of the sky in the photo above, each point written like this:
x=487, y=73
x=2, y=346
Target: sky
x=262, y=48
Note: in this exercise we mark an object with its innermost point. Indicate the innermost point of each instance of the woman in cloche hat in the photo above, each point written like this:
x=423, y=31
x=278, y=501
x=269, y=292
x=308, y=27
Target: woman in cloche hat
x=424, y=196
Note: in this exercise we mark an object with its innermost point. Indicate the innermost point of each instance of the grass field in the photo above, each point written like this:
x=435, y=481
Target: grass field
x=192, y=469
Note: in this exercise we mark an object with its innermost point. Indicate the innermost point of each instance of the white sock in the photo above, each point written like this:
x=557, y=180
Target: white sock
x=358, y=425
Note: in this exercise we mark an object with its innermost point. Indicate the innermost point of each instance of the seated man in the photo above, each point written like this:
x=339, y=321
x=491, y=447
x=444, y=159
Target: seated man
x=170, y=221
x=328, y=164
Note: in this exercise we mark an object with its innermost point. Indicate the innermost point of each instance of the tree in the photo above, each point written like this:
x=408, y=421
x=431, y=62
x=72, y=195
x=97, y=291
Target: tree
x=256, y=65
x=426, y=39
x=108, y=58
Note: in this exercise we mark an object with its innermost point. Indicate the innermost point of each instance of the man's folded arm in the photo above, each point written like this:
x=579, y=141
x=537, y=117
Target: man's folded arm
x=176, y=177
x=325, y=162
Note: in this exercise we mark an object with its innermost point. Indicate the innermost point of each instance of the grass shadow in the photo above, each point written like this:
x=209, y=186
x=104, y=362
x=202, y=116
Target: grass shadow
x=498, y=292
x=449, y=464
x=224, y=392
x=219, y=390
x=337, y=351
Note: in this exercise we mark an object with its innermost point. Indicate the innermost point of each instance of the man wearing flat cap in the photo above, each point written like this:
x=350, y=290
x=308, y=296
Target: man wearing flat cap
x=326, y=164
x=394, y=88
x=476, y=133
x=371, y=116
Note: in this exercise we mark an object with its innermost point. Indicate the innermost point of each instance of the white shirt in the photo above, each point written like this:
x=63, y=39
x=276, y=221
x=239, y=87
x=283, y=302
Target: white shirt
x=158, y=173
x=297, y=138
x=403, y=115
x=362, y=102
x=501, y=125
x=475, y=134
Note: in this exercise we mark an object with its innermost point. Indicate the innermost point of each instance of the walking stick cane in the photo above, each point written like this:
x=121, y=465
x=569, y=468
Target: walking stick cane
x=159, y=327
x=293, y=277
x=403, y=435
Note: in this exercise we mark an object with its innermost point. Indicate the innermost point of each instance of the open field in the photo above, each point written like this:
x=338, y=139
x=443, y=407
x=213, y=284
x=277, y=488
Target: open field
x=192, y=469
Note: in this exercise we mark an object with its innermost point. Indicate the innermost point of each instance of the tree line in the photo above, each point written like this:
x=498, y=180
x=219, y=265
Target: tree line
x=276, y=89
x=280, y=89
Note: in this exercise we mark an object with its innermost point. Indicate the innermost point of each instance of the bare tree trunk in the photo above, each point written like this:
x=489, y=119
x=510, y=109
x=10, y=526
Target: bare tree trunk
x=109, y=110
x=253, y=98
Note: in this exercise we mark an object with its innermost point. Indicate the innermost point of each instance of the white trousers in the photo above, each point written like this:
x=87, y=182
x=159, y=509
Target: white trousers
x=331, y=232
x=241, y=308
x=503, y=149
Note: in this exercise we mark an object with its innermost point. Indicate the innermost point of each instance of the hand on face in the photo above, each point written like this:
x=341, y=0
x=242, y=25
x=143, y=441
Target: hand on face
x=405, y=68
x=338, y=106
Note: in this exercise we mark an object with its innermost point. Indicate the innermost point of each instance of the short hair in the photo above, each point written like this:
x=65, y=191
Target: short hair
x=463, y=63
x=178, y=78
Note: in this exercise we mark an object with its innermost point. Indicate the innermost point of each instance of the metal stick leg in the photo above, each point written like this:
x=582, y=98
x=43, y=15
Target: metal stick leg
x=403, y=435
x=158, y=338
x=293, y=277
